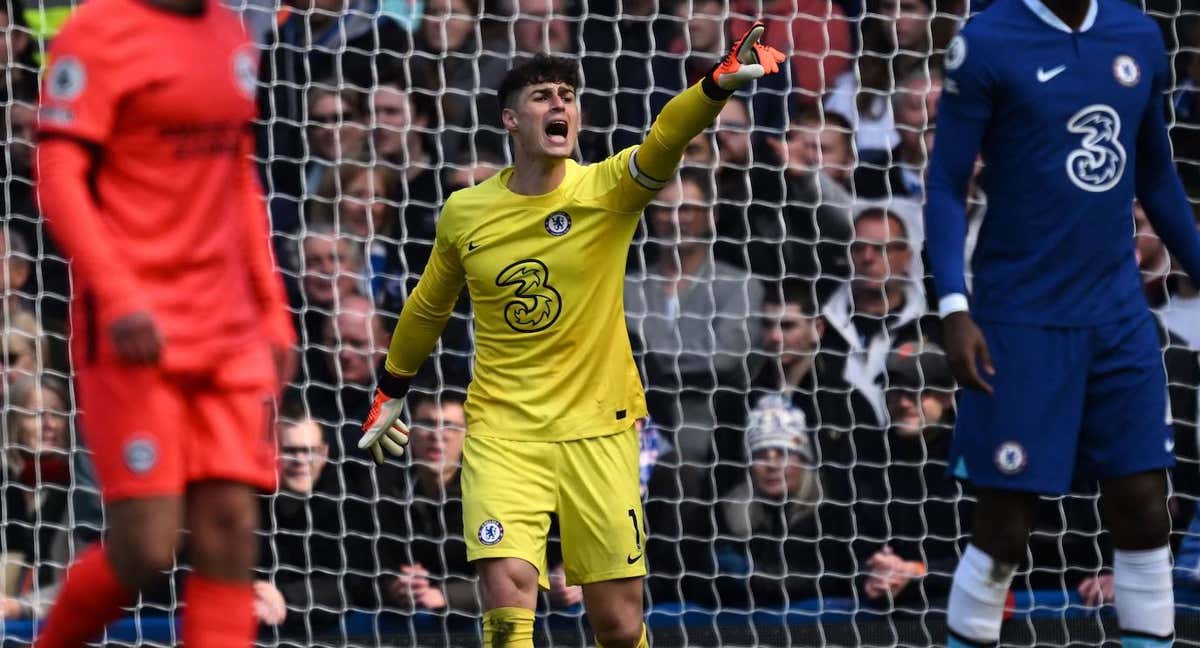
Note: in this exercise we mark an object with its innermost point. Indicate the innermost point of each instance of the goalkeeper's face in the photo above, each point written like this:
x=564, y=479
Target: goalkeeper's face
x=544, y=120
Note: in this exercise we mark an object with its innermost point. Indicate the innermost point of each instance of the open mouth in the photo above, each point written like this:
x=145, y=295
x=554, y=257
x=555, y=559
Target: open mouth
x=557, y=131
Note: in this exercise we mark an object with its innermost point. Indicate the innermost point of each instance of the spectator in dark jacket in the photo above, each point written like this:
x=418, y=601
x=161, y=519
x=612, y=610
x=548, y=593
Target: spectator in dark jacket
x=911, y=516
x=344, y=44
x=768, y=525
x=315, y=542
x=881, y=308
x=423, y=554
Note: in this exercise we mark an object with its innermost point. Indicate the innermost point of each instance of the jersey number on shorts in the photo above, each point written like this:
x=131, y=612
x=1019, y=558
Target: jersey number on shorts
x=537, y=304
x=637, y=538
x=1099, y=162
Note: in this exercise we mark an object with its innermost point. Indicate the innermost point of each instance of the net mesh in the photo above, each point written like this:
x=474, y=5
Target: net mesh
x=373, y=111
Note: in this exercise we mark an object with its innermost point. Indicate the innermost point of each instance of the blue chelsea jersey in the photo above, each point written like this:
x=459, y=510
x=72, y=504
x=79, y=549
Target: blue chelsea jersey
x=1061, y=115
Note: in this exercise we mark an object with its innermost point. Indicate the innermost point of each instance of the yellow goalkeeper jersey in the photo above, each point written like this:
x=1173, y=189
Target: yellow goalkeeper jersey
x=545, y=275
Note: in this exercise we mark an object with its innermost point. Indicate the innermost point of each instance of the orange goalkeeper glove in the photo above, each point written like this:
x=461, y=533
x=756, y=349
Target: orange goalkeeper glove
x=383, y=429
x=746, y=61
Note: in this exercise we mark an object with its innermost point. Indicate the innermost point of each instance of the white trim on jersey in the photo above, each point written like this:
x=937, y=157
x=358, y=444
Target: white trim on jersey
x=1048, y=17
x=639, y=176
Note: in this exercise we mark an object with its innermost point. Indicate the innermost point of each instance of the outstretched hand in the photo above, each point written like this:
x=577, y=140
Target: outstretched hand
x=747, y=60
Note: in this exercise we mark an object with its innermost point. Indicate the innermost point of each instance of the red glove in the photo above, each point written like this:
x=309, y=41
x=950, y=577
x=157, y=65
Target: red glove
x=746, y=61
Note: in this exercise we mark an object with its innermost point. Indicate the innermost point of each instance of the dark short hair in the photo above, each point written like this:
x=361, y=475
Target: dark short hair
x=884, y=213
x=792, y=291
x=700, y=178
x=438, y=398
x=542, y=68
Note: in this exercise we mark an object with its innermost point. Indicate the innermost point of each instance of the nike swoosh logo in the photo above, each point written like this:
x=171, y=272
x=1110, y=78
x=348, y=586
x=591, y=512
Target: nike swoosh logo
x=632, y=559
x=1045, y=75
x=471, y=246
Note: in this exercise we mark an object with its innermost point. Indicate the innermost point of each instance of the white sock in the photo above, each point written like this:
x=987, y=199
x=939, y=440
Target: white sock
x=977, y=597
x=1144, y=599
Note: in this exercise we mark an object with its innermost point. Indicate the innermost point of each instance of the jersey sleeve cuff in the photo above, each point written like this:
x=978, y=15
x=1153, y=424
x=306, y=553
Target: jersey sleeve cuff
x=952, y=303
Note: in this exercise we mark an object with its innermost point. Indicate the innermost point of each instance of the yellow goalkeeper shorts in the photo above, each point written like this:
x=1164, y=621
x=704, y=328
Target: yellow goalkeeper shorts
x=510, y=488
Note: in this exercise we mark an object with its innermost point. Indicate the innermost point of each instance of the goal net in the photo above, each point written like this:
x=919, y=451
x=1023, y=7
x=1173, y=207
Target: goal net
x=794, y=462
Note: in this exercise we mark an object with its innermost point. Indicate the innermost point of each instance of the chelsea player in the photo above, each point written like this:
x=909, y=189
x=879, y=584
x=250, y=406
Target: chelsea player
x=541, y=247
x=1055, y=346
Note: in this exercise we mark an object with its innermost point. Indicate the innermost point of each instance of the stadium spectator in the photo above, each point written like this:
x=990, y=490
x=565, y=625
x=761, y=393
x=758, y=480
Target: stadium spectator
x=455, y=68
x=22, y=116
x=357, y=202
x=880, y=308
x=344, y=44
x=423, y=553
x=767, y=553
x=331, y=267
x=792, y=330
x=914, y=106
x=37, y=493
x=700, y=152
x=1185, y=99
x=17, y=51
x=352, y=343
x=909, y=514
x=354, y=202
x=469, y=173
x=689, y=54
x=820, y=50
x=22, y=217
x=402, y=246
x=796, y=367
x=696, y=317
x=619, y=52
x=398, y=128
x=333, y=133
x=314, y=543
x=542, y=27
x=895, y=41
x=810, y=211
x=23, y=347
x=17, y=268
x=735, y=175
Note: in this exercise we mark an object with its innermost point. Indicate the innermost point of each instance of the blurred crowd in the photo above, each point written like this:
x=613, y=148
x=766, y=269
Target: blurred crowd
x=801, y=406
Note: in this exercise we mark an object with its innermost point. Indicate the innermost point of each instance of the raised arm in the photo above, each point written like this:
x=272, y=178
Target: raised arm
x=691, y=111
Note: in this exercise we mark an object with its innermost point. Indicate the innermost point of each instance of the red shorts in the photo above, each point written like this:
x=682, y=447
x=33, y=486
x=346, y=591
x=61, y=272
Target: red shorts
x=152, y=433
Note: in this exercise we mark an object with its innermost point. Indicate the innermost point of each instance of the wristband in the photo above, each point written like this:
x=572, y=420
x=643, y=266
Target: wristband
x=390, y=384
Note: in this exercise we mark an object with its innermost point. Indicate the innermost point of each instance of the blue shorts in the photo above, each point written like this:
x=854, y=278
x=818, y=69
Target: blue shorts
x=1086, y=402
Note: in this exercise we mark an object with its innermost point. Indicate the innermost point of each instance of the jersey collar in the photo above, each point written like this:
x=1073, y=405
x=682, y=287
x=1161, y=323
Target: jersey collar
x=1042, y=11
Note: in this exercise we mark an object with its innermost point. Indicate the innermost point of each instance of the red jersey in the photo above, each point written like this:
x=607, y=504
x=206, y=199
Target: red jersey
x=176, y=223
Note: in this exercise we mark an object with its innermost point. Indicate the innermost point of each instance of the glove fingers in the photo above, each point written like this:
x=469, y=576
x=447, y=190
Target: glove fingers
x=398, y=434
x=393, y=448
x=377, y=452
x=369, y=436
x=745, y=52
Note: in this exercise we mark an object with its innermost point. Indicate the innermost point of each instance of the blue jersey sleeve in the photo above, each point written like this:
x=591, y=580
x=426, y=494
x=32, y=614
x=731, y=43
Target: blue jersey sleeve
x=964, y=110
x=1159, y=189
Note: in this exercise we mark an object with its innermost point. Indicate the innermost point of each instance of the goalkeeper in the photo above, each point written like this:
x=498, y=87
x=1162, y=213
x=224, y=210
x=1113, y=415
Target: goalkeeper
x=541, y=247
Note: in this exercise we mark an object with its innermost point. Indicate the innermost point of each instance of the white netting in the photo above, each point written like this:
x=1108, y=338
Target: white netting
x=374, y=111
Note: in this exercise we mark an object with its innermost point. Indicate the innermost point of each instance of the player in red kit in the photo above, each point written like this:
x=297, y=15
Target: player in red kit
x=180, y=330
